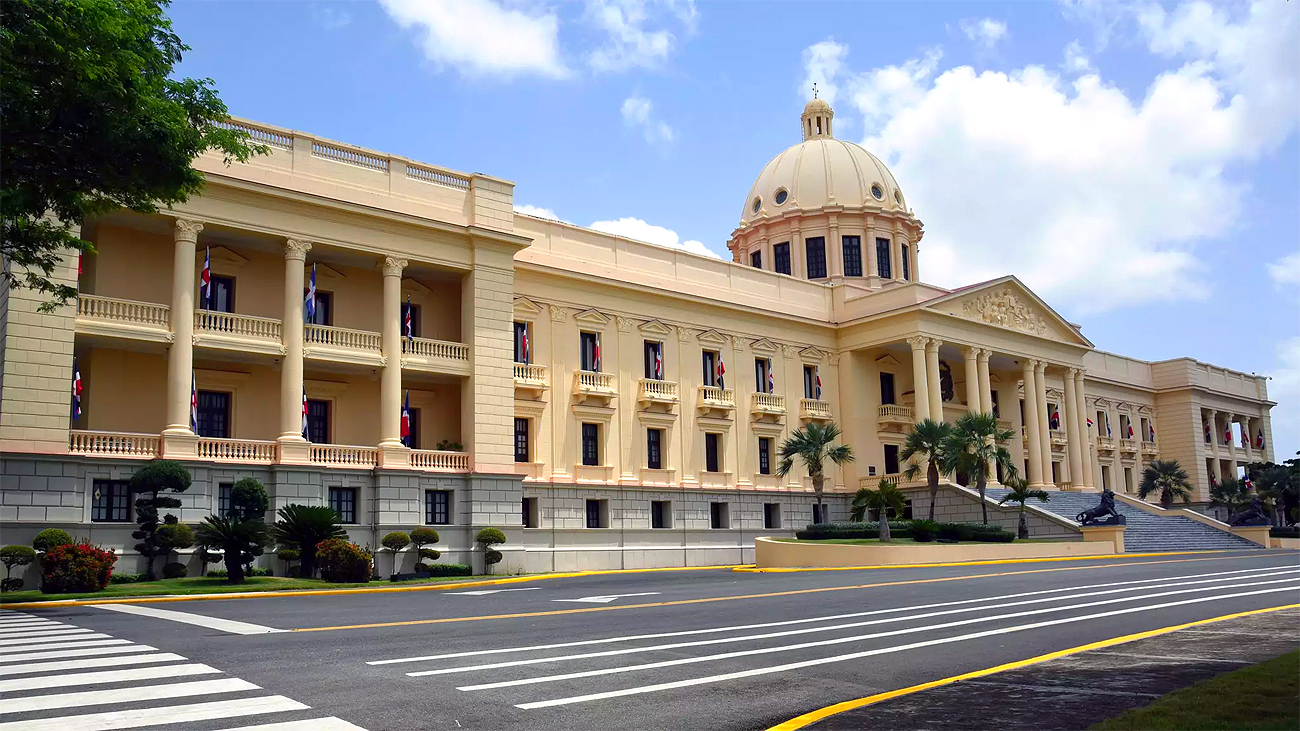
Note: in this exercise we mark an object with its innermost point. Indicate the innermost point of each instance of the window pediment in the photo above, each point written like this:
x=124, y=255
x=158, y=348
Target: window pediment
x=655, y=327
x=411, y=286
x=812, y=354
x=713, y=337
x=592, y=317
x=525, y=306
x=222, y=259
x=887, y=360
x=763, y=345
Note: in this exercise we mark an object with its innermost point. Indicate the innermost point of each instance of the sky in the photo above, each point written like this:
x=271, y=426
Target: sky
x=1136, y=164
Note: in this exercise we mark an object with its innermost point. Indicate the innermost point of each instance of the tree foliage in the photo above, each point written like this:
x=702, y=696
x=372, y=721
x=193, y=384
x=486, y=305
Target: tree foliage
x=1279, y=486
x=1168, y=479
x=976, y=442
x=422, y=537
x=1021, y=493
x=94, y=120
x=813, y=445
x=303, y=527
x=12, y=556
x=1232, y=495
x=149, y=484
x=240, y=542
x=51, y=537
x=926, y=440
x=884, y=498
x=487, y=538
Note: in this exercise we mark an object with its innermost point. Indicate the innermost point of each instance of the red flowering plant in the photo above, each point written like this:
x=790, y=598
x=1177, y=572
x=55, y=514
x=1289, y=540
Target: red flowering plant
x=76, y=567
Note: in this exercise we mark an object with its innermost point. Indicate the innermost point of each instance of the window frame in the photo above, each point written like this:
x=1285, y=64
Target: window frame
x=661, y=514
x=648, y=350
x=116, y=496
x=229, y=283
x=719, y=516
x=765, y=455
x=814, y=248
x=324, y=312
x=897, y=464
x=590, y=452
x=432, y=508
x=712, y=452
x=347, y=499
x=522, y=328
x=810, y=382
x=709, y=362
x=888, y=388
x=883, y=268
x=413, y=440
x=531, y=512
x=600, y=516
x=756, y=259
x=328, y=406
x=225, y=493
x=904, y=263
x=781, y=258
x=206, y=412
x=771, y=516
x=654, y=450
x=588, y=343
x=852, y=248
x=762, y=366
x=523, y=439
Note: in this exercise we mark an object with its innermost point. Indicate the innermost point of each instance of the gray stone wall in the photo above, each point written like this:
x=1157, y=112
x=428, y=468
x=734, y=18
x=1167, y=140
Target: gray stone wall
x=955, y=505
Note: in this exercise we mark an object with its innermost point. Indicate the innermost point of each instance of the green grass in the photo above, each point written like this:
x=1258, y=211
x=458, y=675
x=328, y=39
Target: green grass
x=1260, y=697
x=209, y=585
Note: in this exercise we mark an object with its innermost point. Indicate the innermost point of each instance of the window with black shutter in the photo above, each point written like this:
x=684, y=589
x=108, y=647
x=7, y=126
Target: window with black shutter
x=224, y=491
x=661, y=514
x=654, y=454
x=711, y=452
x=781, y=257
x=587, y=343
x=882, y=258
x=652, y=352
x=887, y=388
x=521, y=337
x=718, y=516
x=764, y=455
x=760, y=374
x=756, y=259
x=597, y=514
x=521, y=440
x=809, y=382
x=531, y=518
x=413, y=440
x=344, y=502
x=891, y=459
x=815, y=251
x=852, y=256
x=904, y=263
x=709, y=360
x=415, y=321
x=213, y=414
x=318, y=421
x=771, y=515
x=437, y=507
x=110, y=501
x=591, y=444
x=223, y=295
x=324, y=313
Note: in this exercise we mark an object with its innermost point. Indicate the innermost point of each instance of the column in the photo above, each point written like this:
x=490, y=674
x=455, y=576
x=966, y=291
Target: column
x=834, y=250
x=972, y=379
x=1232, y=445
x=1086, y=443
x=180, y=356
x=392, y=451
x=293, y=447
x=986, y=386
x=869, y=251
x=1044, y=425
x=921, y=405
x=1248, y=438
x=895, y=255
x=1073, y=439
x=1216, y=468
x=1032, y=417
x=932, y=378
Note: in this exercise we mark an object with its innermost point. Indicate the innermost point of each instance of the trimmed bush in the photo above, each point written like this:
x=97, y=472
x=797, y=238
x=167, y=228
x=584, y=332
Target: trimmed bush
x=487, y=538
x=221, y=573
x=821, y=531
x=1291, y=531
x=125, y=578
x=77, y=567
x=445, y=569
x=12, y=556
x=973, y=532
x=396, y=541
x=288, y=554
x=342, y=561
x=175, y=570
x=923, y=531
x=422, y=537
x=51, y=537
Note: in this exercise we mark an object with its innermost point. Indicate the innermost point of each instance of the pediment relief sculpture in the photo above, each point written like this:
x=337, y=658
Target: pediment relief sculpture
x=1005, y=309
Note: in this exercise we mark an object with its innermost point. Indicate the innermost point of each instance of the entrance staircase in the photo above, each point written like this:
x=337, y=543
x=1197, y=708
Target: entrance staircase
x=1143, y=532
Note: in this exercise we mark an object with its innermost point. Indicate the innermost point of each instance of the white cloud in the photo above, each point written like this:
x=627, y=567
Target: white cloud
x=1076, y=61
x=483, y=37
x=536, y=212
x=630, y=42
x=1285, y=272
x=638, y=113
x=1096, y=200
x=1284, y=388
x=330, y=18
x=635, y=228
x=821, y=63
x=984, y=31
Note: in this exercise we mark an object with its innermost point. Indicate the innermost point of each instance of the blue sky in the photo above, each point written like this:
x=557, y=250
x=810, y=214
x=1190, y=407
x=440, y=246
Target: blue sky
x=1137, y=164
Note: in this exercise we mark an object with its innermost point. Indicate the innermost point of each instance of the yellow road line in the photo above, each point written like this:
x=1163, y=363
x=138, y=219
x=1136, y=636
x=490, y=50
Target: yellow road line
x=783, y=570
x=706, y=600
x=812, y=717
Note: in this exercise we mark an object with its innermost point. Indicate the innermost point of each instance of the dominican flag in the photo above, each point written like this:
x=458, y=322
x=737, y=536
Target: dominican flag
x=205, y=279
x=309, y=311
x=597, y=353
x=771, y=378
x=1130, y=430
x=1259, y=438
x=1056, y=419
x=194, y=404
x=304, y=412
x=523, y=345
x=659, y=361
x=76, y=390
x=1108, y=434
x=1213, y=481
x=1207, y=432
x=720, y=371
x=1089, y=422
x=1227, y=434
x=1245, y=439
x=817, y=383
x=406, y=420
x=1151, y=432
x=408, y=327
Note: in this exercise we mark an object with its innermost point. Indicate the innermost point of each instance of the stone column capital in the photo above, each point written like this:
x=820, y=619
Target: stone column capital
x=1040, y=367
x=1071, y=373
x=187, y=230
x=970, y=352
x=918, y=342
x=1028, y=364
x=933, y=345
x=393, y=266
x=296, y=249
x=983, y=354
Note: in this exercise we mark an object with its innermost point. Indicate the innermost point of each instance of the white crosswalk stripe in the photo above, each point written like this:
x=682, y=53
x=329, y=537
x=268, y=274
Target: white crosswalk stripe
x=49, y=670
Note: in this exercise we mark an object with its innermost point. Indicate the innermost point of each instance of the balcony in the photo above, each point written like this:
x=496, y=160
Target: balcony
x=811, y=409
x=438, y=356
x=530, y=379
x=432, y=460
x=123, y=318
x=360, y=347
x=1105, y=444
x=652, y=391
x=592, y=385
x=338, y=455
x=238, y=450
x=1004, y=425
x=767, y=404
x=893, y=417
x=114, y=444
x=244, y=333
x=714, y=399
x=1128, y=446
x=1149, y=449
x=1059, y=438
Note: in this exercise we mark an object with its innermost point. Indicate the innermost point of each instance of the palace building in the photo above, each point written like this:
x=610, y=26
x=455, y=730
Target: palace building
x=606, y=402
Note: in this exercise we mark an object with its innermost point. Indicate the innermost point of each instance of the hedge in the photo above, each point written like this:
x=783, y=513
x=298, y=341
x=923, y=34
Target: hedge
x=444, y=569
x=920, y=530
x=77, y=567
x=221, y=573
x=125, y=578
x=818, y=531
x=343, y=561
x=1291, y=531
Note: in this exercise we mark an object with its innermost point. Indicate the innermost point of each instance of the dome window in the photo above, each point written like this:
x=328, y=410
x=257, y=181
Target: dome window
x=781, y=195
x=758, y=203
x=898, y=198
x=877, y=193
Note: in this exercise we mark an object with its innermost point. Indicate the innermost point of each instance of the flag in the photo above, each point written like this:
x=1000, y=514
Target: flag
x=1130, y=430
x=194, y=404
x=1108, y=434
x=76, y=390
x=406, y=420
x=523, y=345
x=1259, y=440
x=1213, y=481
x=1227, y=433
x=304, y=412
x=1056, y=419
x=309, y=305
x=407, y=326
x=1207, y=432
x=659, y=361
x=1250, y=485
x=1151, y=432
x=1245, y=439
x=817, y=382
x=1089, y=422
x=597, y=353
x=205, y=279
x=721, y=369
x=771, y=378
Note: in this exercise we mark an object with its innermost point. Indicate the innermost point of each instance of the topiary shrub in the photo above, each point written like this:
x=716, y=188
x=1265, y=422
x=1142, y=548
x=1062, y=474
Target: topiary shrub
x=449, y=569
x=923, y=531
x=222, y=573
x=12, y=556
x=77, y=567
x=396, y=541
x=823, y=531
x=487, y=538
x=148, y=484
x=175, y=570
x=125, y=578
x=51, y=537
x=422, y=537
x=342, y=561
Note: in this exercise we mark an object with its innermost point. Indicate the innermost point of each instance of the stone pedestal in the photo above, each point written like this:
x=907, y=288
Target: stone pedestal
x=295, y=451
x=1253, y=533
x=394, y=456
x=1112, y=533
x=179, y=445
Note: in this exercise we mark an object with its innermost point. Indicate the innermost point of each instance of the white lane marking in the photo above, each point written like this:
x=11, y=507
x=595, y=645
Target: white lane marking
x=808, y=630
x=125, y=695
x=329, y=723
x=104, y=676
x=34, y=640
x=33, y=622
x=55, y=654
x=93, y=662
x=44, y=632
x=137, y=717
x=224, y=625
x=605, y=598
x=5, y=652
x=836, y=640
x=658, y=635
x=879, y=651
x=485, y=592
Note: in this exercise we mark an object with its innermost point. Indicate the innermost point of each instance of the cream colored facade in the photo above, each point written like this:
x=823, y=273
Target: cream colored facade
x=380, y=230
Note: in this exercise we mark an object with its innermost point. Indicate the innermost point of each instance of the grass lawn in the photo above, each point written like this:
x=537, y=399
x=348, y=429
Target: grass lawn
x=210, y=585
x=1263, y=696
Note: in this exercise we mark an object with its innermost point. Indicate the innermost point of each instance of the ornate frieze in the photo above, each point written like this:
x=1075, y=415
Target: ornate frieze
x=1005, y=309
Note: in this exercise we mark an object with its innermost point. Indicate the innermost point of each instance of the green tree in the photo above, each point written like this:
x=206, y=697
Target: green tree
x=1168, y=479
x=94, y=120
x=175, y=537
x=237, y=539
x=395, y=542
x=1279, y=486
x=49, y=538
x=926, y=441
x=813, y=444
x=975, y=443
x=1021, y=493
x=884, y=498
x=12, y=556
x=303, y=527
x=487, y=538
x=150, y=484
x=421, y=537
x=1232, y=495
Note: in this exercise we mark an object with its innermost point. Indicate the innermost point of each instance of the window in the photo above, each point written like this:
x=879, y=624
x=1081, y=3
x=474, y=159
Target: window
x=521, y=440
x=437, y=507
x=530, y=513
x=810, y=382
x=891, y=459
x=887, y=388
x=819, y=513
x=877, y=193
x=654, y=359
x=815, y=252
x=756, y=259
x=903, y=261
x=318, y=421
x=213, y=414
x=590, y=345
x=764, y=455
x=344, y=502
x=597, y=513
x=852, y=256
x=523, y=347
x=719, y=516
x=994, y=394
x=414, y=311
x=781, y=257
x=413, y=429
x=771, y=515
x=710, y=363
x=324, y=313
x=762, y=367
x=224, y=491
x=111, y=501
x=711, y=452
x=654, y=451
x=780, y=197
x=591, y=444
x=758, y=203
x=222, y=298
x=882, y=258
x=661, y=514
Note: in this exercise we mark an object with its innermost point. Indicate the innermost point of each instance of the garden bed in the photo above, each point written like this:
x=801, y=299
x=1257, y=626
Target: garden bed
x=210, y=585
x=849, y=553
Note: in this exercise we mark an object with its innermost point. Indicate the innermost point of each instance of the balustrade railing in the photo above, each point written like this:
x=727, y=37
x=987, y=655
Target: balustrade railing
x=351, y=156
x=235, y=325
x=715, y=397
x=894, y=412
x=237, y=450
x=591, y=381
x=530, y=374
x=654, y=390
x=113, y=444
x=1058, y=436
x=1106, y=444
x=440, y=177
x=811, y=408
x=435, y=349
x=771, y=403
x=439, y=461
x=342, y=337
x=260, y=135
x=344, y=456
x=120, y=310
x=1128, y=445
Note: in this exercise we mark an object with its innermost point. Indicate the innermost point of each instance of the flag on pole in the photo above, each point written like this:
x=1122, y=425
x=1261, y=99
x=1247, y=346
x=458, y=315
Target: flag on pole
x=771, y=378
x=1207, y=432
x=1089, y=422
x=1250, y=485
x=817, y=382
x=1213, y=481
x=1245, y=439
x=1259, y=440
x=659, y=361
x=309, y=302
x=76, y=389
x=721, y=370
x=1108, y=434
x=406, y=420
x=523, y=345
x=1227, y=434
x=1151, y=432
x=597, y=353
x=194, y=404
x=407, y=326
x=1130, y=430
x=304, y=412
x=1056, y=418
x=205, y=279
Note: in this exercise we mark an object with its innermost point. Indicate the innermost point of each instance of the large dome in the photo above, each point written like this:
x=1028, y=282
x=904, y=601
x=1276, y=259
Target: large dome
x=821, y=171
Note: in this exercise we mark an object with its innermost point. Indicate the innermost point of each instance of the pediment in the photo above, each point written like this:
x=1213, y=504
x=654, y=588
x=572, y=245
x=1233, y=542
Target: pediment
x=222, y=258
x=763, y=345
x=713, y=337
x=525, y=306
x=326, y=273
x=813, y=354
x=1009, y=304
x=655, y=327
x=411, y=286
x=888, y=360
x=592, y=317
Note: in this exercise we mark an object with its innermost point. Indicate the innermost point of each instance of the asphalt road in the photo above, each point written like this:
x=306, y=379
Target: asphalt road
x=698, y=649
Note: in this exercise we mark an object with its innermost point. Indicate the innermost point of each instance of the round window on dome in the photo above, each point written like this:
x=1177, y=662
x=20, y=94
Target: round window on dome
x=877, y=193
x=781, y=195
x=898, y=198
x=758, y=203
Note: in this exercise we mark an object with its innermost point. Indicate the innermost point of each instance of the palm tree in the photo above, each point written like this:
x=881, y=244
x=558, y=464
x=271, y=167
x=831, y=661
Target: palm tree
x=926, y=441
x=239, y=541
x=975, y=442
x=304, y=526
x=812, y=445
x=1231, y=494
x=1169, y=479
x=1021, y=493
x=881, y=500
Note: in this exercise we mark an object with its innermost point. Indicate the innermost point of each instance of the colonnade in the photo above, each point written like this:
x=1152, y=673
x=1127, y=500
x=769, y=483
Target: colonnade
x=1220, y=422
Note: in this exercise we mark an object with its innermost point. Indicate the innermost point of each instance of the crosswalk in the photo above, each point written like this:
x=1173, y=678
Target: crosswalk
x=585, y=670
x=59, y=677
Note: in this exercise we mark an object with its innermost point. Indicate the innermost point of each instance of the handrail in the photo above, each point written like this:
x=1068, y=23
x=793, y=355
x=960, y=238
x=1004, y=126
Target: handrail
x=342, y=337
x=530, y=373
x=716, y=396
x=815, y=408
x=237, y=450
x=113, y=444
x=430, y=348
x=650, y=389
x=344, y=455
x=894, y=411
x=122, y=310
x=439, y=460
x=230, y=323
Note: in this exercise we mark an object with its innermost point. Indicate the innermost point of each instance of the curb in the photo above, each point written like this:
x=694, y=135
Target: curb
x=782, y=570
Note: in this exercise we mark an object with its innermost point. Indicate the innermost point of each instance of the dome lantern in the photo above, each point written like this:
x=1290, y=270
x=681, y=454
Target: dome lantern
x=815, y=122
